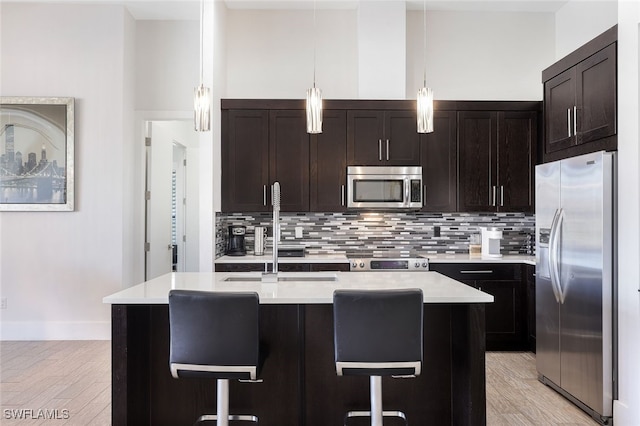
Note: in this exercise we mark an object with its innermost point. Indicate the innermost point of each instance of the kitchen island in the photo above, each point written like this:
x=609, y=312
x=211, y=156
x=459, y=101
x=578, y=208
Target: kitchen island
x=300, y=384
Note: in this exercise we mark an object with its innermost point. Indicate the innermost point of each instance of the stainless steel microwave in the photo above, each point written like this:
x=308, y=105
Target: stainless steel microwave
x=378, y=187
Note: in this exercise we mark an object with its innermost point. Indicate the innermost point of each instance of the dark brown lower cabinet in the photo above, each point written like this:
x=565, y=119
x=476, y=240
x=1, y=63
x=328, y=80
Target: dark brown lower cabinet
x=530, y=276
x=300, y=386
x=506, y=317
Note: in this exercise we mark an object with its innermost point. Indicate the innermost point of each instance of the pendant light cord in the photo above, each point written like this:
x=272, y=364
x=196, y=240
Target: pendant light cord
x=201, y=41
x=424, y=47
x=315, y=36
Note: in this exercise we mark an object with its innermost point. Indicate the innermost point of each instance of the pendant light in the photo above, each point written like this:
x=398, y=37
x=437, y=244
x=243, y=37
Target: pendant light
x=202, y=94
x=314, y=95
x=424, y=101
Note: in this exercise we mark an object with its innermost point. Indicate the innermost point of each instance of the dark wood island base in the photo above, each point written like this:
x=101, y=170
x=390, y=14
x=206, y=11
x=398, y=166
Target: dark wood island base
x=300, y=386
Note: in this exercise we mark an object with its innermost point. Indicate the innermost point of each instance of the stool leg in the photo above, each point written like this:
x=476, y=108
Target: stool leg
x=376, y=400
x=222, y=405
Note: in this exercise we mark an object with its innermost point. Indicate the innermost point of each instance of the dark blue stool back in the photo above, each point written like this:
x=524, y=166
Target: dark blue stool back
x=216, y=330
x=381, y=330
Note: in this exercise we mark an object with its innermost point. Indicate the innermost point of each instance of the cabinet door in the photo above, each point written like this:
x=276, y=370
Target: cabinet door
x=530, y=271
x=477, y=190
x=505, y=317
x=328, y=160
x=438, y=160
x=245, y=161
x=289, y=158
x=517, y=135
x=596, y=96
x=401, y=142
x=365, y=144
x=559, y=100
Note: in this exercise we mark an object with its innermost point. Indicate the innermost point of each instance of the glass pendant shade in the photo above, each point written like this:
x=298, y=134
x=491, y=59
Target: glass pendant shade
x=425, y=110
x=314, y=110
x=202, y=108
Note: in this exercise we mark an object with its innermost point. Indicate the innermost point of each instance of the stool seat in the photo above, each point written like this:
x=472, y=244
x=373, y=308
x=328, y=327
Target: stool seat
x=378, y=333
x=215, y=335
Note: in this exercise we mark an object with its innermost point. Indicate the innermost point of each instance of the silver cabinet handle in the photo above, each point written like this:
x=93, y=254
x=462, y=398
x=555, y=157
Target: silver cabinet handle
x=575, y=120
x=569, y=121
x=379, y=149
x=480, y=271
x=493, y=199
x=342, y=194
x=264, y=195
x=387, y=149
x=501, y=195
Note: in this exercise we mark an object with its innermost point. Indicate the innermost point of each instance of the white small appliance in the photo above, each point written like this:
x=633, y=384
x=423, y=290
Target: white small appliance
x=491, y=238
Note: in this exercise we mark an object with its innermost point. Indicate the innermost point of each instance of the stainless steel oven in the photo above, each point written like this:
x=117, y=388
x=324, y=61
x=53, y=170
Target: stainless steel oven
x=389, y=264
x=374, y=187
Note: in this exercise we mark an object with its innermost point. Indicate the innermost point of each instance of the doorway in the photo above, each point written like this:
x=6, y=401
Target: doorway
x=171, y=188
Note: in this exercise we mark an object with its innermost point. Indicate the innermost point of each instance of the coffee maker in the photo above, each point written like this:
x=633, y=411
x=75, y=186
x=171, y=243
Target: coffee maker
x=235, y=245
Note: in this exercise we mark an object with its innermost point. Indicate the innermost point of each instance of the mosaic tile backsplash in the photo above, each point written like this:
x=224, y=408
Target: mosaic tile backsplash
x=383, y=233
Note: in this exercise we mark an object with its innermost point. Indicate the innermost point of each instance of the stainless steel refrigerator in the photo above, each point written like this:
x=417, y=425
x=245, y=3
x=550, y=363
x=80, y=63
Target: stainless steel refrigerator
x=576, y=280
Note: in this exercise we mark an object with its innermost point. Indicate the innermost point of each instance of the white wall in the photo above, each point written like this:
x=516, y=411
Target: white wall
x=57, y=267
x=381, y=50
x=270, y=53
x=167, y=64
x=472, y=55
x=579, y=21
x=479, y=55
x=627, y=408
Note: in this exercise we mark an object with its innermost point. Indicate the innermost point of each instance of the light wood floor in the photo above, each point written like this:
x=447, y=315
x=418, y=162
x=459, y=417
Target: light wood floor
x=76, y=376
x=516, y=397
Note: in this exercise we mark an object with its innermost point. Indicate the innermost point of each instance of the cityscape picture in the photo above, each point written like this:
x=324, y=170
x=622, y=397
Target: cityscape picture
x=35, y=166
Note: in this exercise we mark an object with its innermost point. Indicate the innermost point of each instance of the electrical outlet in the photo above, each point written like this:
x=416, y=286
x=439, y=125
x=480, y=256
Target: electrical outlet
x=298, y=231
x=3, y=303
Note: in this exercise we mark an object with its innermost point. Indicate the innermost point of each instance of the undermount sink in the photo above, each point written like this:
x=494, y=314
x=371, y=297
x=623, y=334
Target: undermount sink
x=311, y=278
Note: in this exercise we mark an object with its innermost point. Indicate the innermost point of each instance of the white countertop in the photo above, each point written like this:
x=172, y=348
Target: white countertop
x=436, y=287
x=341, y=258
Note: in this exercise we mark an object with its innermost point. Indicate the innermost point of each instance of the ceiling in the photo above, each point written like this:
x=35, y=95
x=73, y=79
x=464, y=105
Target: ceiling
x=189, y=9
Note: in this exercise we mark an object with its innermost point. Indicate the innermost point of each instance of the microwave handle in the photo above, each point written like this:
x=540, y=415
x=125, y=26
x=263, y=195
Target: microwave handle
x=407, y=192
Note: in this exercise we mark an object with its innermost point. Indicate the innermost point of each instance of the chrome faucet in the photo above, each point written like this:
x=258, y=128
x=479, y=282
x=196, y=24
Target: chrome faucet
x=275, y=201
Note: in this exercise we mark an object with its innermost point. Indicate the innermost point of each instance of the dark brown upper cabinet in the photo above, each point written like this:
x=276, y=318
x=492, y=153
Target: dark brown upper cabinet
x=382, y=138
x=245, y=160
x=496, y=160
x=328, y=160
x=259, y=148
x=439, y=164
x=580, y=100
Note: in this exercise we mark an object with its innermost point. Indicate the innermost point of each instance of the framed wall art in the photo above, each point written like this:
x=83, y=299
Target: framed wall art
x=36, y=154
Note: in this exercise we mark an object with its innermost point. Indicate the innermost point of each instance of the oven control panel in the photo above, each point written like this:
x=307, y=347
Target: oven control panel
x=382, y=264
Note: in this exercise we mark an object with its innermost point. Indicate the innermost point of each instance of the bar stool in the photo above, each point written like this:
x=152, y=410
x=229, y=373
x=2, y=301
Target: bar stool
x=378, y=333
x=215, y=335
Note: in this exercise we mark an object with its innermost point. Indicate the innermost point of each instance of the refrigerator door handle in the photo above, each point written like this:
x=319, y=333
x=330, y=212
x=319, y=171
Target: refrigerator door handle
x=558, y=243
x=553, y=256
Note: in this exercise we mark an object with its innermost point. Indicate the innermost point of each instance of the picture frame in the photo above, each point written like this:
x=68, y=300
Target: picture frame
x=37, y=154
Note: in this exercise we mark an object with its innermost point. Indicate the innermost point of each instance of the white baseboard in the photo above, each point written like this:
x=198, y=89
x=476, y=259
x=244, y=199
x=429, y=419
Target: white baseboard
x=55, y=330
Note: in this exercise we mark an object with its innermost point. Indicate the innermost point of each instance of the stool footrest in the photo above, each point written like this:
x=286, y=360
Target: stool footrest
x=351, y=414
x=231, y=417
